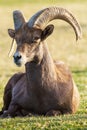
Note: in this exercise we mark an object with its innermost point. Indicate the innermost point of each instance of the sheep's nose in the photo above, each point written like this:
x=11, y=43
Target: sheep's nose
x=17, y=57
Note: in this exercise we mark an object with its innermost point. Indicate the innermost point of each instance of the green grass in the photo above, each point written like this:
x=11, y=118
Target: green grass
x=62, y=46
x=75, y=122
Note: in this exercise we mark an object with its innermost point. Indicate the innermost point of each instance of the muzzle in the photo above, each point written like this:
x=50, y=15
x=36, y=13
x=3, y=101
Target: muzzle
x=17, y=58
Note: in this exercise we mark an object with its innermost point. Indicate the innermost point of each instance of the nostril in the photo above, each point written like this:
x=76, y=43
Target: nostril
x=17, y=57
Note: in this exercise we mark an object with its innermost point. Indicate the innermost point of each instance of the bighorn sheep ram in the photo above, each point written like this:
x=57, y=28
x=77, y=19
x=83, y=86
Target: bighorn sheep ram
x=46, y=88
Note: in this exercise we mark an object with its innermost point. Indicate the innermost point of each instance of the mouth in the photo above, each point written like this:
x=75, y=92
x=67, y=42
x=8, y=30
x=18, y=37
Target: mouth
x=18, y=63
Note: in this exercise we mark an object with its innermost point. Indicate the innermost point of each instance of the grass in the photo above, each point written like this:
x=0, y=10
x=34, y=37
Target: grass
x=42, y=123
x=62, y=46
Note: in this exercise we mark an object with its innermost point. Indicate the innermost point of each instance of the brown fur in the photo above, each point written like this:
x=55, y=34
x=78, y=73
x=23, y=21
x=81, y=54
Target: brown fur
x=46, y=88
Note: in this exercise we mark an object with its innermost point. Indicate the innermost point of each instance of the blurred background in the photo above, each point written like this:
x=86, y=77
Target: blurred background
x=62, y=43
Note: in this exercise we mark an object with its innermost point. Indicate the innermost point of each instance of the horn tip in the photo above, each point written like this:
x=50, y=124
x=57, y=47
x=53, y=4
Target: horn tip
x=16, y=12
x=78, y=37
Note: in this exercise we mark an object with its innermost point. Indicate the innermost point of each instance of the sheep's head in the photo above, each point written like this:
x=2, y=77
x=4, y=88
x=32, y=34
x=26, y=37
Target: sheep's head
x=29, y=35
x=29, y=43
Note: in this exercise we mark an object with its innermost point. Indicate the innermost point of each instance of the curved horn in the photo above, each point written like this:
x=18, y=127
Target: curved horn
x=41, y=19
x=18, y=19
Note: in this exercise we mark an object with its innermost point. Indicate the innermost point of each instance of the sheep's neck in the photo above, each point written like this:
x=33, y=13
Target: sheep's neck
x=43, y=74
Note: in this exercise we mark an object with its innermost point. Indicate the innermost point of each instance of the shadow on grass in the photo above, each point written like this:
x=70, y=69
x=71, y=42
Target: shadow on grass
x=80, y=71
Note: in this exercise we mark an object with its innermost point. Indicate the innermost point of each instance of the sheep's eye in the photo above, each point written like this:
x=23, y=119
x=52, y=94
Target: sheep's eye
x=35, y=39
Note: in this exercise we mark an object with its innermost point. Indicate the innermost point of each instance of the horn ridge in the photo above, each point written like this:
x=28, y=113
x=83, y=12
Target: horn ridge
x=18, y=19
x=43, y=17
x=32, y=20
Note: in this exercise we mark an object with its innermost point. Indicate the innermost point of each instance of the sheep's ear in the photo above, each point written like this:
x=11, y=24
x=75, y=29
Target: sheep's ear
x=11, y=33
x=47, y=31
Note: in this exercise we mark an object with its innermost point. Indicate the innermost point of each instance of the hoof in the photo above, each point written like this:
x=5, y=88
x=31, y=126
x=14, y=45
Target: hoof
x=5, y=115
x=53, y=113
